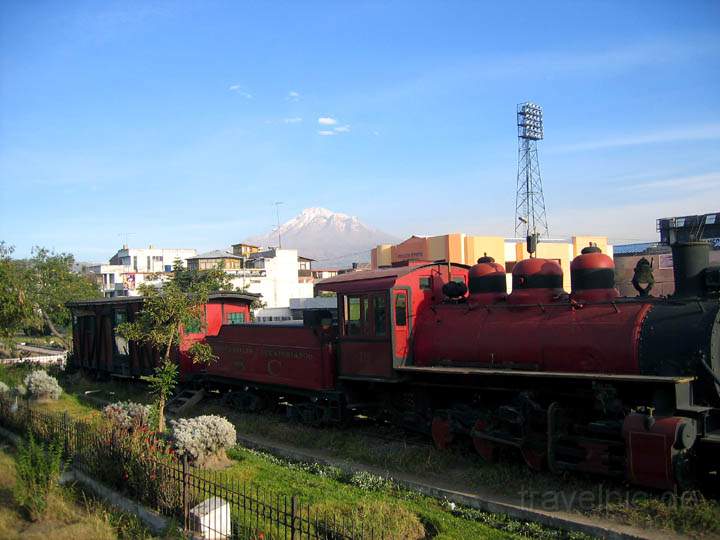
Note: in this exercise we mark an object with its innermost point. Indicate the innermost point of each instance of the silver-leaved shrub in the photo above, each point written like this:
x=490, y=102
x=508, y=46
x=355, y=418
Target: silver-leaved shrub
x=203, y=436
x=127, y=414
x=40, y=385
x=4, y=388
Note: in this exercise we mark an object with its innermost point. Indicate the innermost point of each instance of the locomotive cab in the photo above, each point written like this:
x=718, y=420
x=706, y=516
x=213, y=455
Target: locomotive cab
x=378, y=311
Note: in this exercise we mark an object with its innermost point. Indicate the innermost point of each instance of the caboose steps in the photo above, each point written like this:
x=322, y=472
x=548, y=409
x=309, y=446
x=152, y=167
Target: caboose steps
x=184, y=400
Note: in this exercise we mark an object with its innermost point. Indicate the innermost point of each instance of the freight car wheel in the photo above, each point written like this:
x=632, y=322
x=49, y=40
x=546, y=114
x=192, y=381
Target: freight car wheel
x=441, y=432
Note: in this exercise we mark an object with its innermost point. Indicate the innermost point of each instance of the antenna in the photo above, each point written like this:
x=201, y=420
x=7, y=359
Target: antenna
x=530, y=217
x=124, y=236
x=277, y=213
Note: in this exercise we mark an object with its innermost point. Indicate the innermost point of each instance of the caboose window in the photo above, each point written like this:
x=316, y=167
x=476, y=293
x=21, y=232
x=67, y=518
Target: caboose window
x=401, y=310
x=236, y=318
x=425, y=283
x=193, y=326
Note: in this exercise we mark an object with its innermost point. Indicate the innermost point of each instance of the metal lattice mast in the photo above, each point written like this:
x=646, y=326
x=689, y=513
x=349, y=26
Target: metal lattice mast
x=530, y=217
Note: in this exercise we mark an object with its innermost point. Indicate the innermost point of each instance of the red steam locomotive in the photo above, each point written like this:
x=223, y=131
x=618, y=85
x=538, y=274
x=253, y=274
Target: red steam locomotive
x=585, y=381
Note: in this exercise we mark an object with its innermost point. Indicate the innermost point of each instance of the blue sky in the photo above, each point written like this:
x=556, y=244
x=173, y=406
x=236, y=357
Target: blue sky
x=182, y=122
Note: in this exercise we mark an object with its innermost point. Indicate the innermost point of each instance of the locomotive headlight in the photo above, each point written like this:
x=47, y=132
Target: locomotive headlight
x=686, y=435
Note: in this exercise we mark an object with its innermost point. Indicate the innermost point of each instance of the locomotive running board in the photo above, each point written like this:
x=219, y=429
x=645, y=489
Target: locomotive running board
x=544, y=374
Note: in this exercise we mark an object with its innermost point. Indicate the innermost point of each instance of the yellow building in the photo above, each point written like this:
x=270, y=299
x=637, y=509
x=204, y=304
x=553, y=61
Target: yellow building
x=467, y=249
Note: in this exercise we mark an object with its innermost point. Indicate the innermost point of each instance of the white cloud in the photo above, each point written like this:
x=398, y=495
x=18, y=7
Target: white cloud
x=327, y=121
x=293, y=96
x=686, y=183
x=326, y=133
x=238, y=89
x=342, y=129
x=292, y=120
x=692, y=133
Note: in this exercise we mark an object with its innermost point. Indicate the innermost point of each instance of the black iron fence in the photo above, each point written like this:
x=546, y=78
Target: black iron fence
x=143, y=467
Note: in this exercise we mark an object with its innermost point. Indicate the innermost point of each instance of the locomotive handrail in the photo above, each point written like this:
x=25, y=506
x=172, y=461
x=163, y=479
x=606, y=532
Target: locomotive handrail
x=546, y=374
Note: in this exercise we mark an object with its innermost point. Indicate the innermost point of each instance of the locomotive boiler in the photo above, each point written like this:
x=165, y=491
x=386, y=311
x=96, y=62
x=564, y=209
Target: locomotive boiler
x=586, y=381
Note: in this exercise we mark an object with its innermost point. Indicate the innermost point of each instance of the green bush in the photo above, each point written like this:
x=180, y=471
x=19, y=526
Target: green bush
x=38, y=470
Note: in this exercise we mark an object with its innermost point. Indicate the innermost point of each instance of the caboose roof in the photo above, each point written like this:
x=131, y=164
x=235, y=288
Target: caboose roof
x=120, y=300
x=373, y=280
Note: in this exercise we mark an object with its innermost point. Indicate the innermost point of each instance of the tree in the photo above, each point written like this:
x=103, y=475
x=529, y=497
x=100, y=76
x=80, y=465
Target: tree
x=165, y=312
x=17, y=308
x=33, y=292
x=54, y=284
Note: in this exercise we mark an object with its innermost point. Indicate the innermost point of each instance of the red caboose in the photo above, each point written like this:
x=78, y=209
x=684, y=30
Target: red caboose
x=99, y=348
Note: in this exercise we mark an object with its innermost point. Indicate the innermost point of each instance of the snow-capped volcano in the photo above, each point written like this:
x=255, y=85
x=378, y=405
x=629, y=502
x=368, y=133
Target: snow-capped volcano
x=332, y=238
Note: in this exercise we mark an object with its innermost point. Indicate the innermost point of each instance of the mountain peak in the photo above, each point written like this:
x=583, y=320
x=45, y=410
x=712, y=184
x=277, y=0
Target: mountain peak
x=332, y=238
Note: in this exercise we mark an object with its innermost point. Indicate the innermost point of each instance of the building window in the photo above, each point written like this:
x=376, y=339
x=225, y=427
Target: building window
x=425, y=283
x=236, y=318
x=111, y=279
x=710, y=220
x=134, y=259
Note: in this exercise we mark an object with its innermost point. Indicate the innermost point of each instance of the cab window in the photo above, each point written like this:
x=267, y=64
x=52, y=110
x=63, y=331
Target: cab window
x=380, y=311
x=354, y=307
x=366, y=315
x=401, y=310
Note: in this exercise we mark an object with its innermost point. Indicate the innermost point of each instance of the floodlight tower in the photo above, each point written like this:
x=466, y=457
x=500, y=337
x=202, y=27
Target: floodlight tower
x=530, y=217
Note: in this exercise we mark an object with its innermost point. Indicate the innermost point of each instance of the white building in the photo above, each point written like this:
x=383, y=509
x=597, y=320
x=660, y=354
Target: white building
x=130, y=267
x=276, y=274
x=273, y=273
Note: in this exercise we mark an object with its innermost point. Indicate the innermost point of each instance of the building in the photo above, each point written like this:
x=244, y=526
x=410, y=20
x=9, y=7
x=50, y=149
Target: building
x=276, y=274
x=323, y=273
x=467, y=249
x=689, y=228
x=216, y=259
x=130, y=267
x=673, y=229
x=298, y=310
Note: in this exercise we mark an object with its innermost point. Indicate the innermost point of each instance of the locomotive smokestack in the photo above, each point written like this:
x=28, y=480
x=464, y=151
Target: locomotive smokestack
x=689, y=261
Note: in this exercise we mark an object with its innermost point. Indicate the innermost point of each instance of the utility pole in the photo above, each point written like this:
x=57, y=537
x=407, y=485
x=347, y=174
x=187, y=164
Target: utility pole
x=125, y=236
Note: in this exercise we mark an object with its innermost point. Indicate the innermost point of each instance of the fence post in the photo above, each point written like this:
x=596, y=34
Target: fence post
x=66, y=435
x=292, y=518
x=186, y=519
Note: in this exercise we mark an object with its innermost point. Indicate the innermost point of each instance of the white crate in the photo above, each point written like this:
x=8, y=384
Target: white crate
x=211, y=519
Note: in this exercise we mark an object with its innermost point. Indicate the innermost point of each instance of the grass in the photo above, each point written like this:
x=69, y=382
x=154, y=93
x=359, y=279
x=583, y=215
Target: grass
x=70, y=515
x=459, y=468
x=385, y=508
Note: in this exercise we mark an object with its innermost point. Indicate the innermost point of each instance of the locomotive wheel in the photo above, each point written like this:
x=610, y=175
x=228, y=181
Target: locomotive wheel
x=486, y=449
x=534, y=459
x=441, y=432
